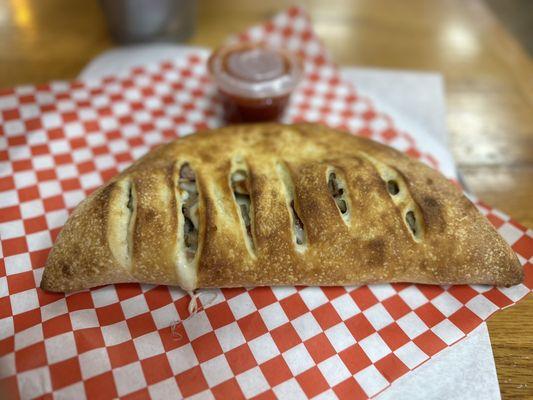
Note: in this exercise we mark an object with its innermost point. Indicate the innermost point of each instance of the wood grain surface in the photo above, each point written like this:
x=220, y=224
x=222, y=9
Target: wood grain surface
x=489, y=90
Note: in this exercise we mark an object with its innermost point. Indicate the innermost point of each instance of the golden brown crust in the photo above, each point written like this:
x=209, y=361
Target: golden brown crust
x=82, y=257
x=373, y=242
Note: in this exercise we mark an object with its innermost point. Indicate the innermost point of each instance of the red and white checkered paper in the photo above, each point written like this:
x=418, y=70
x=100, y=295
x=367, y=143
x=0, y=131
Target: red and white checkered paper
x=60, y=141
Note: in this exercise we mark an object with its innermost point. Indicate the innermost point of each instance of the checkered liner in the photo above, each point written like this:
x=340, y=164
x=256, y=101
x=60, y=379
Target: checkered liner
x=60, y=141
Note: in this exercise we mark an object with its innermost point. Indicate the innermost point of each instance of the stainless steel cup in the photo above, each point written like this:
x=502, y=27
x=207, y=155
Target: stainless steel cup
x=134, y=21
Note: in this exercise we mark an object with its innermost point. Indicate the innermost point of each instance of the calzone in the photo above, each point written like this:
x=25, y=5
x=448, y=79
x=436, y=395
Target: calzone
x=271, y=204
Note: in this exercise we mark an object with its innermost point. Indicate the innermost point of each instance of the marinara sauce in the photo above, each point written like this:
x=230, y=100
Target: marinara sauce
x=254, y=81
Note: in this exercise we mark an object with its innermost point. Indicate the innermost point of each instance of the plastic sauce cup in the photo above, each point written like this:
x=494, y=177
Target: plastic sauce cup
x=254, y=81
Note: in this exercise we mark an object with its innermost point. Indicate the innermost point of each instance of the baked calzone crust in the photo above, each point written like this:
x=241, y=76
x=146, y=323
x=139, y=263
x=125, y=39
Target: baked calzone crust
x=271, y=204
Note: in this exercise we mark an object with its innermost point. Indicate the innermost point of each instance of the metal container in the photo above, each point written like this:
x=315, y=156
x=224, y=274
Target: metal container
x=135, y=21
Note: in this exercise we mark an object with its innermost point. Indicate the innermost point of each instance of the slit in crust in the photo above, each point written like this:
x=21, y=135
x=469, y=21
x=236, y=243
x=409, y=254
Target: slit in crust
x=338, y=190
x=122, y=222
x=411, y=221
x=392, y=187
x=298, y=228
x=189, y=210
x=188, y=197
x=132, y=211
x=240, y=186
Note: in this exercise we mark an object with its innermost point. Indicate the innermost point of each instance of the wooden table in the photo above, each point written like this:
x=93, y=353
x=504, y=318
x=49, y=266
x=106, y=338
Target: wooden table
x=489, y=86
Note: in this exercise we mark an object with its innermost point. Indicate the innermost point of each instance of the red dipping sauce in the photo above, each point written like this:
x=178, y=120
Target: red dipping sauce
x=254, y=81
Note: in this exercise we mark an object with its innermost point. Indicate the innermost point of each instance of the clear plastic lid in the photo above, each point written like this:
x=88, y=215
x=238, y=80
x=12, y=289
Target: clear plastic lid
x=255, y=71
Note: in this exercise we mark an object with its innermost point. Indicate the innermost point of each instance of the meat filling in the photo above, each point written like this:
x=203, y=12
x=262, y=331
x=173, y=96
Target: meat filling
x=337, y=192
x=239, y=184
x=298, y=226
x=189, y=209
x=411, y=222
